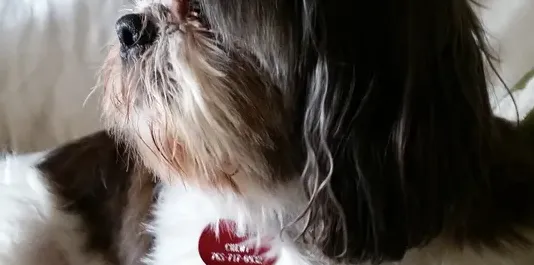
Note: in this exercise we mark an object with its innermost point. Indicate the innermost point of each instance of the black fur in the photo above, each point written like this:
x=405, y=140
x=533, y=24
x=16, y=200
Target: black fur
x=95, y=179
x=418, y=153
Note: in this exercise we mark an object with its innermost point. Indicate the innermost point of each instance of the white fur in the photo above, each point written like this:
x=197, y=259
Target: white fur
x=183, y=212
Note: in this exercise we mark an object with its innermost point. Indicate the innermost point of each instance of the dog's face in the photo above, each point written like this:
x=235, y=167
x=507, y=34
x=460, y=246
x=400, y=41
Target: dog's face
x=207, y=88
x=371, y=108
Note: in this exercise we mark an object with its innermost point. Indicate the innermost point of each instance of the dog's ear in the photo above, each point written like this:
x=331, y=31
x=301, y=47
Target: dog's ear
x=397, y=126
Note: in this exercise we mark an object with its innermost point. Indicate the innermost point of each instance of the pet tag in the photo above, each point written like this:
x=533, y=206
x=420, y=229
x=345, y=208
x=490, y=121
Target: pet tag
x=228, y=249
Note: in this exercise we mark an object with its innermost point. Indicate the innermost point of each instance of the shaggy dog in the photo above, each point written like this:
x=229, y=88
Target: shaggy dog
x=287, y=132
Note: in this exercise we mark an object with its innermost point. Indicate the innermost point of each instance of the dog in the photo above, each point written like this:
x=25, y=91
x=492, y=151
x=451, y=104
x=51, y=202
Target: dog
x=284, y=132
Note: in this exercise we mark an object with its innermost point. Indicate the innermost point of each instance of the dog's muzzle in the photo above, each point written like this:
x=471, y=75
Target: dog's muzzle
x=135, y=33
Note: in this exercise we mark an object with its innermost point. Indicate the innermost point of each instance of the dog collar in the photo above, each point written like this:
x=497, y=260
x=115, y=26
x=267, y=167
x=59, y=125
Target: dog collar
x=229, y=249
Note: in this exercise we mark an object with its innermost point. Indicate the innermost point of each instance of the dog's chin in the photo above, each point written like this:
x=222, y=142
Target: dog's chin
x=179, y=107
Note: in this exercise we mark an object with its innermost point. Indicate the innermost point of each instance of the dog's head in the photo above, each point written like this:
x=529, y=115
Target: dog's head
x=379, y=109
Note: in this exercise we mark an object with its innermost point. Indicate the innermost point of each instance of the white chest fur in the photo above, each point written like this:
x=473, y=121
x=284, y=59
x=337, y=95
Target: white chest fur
x=182, y=213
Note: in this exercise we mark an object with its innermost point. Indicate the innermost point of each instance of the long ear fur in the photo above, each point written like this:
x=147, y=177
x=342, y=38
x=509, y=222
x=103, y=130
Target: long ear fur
x=398, y=131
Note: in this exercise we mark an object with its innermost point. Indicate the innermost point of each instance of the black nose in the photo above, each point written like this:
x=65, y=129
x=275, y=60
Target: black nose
x=135, y=30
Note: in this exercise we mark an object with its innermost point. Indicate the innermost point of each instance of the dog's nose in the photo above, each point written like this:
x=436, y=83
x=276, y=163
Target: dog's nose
x=134, y=30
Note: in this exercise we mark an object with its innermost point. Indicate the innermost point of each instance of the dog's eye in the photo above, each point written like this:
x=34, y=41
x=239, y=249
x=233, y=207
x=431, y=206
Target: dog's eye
x=194, y=7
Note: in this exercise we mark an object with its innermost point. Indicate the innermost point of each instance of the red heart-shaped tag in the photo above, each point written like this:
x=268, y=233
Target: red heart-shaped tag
x=228, y=248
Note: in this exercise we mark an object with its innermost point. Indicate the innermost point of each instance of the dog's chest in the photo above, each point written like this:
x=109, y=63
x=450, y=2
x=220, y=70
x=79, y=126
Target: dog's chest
x=182, y=231
x=191, y=227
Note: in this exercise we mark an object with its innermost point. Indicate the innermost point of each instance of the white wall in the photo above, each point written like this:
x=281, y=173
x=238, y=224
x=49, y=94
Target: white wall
x=49, y=53
x=510, y=26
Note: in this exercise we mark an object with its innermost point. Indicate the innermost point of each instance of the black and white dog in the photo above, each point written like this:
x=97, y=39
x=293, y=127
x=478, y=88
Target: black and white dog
x=287, y=132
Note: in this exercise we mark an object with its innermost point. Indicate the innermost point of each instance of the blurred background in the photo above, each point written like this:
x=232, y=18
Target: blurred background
x=51, y=50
